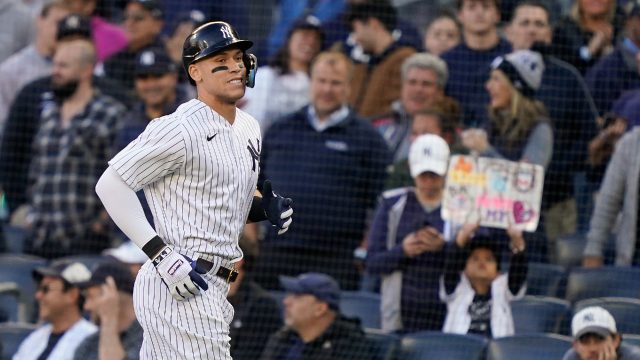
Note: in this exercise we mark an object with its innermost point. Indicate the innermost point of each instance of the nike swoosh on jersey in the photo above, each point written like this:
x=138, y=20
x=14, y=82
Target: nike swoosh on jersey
x=209, y=138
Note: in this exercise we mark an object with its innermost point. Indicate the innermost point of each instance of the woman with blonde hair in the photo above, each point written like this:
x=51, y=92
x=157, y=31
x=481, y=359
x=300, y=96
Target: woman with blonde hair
x=519, y=129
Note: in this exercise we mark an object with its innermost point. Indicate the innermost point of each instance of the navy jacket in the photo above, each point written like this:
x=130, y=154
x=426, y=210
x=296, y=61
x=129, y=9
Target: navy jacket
x=468, y=71
x=343, y=340
x=609, y=78
x=573, y=114
x=333, y=177
x=257, y=315
x=569, y=37
x=419, y=302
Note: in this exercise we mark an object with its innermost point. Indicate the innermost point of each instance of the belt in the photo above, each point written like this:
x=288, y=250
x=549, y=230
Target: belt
x=229, y=275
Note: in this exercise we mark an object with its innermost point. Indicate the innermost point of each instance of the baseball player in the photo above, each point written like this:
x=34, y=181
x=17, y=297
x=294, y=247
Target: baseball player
x=198, y=168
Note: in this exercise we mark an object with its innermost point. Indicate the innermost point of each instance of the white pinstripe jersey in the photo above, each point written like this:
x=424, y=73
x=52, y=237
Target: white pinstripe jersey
x=199, y=174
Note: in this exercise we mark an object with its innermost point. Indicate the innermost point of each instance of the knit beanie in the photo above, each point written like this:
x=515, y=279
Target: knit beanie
x=524, y=69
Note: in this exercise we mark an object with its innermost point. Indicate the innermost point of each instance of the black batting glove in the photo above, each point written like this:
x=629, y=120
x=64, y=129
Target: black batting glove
x=277, y=208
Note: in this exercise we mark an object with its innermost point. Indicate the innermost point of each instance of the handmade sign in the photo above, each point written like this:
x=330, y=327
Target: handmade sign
x=497, y=192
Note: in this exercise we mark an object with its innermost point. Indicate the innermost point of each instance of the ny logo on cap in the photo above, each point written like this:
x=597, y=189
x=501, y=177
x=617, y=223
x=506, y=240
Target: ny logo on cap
x=73, y=22
x=587, y=318
x=226, y=32
x=148, y=58
x=427, y=151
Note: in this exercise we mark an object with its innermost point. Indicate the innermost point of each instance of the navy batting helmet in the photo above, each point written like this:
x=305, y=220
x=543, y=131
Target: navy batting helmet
x=211, y=38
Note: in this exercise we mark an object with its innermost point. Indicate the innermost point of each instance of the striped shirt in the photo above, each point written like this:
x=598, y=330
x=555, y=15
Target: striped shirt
x=199, y=174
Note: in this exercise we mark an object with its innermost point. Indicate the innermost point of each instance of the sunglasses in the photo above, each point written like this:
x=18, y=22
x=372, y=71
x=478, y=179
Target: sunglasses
x=45, y=288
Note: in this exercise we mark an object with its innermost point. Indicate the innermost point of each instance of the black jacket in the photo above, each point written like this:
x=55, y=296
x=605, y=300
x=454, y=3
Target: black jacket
x=344, y=339
x=257, y=316
x=569, y=37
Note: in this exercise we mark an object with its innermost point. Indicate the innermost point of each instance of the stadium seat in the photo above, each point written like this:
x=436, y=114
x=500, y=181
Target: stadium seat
x=631, y=339
x=586, y=283
x=11, y=335
x=11, y=309
x=569, y=249
x=529, y=347
x=14, y=239
x=17, y=269
x=539, y=314
x=626, y=311
x=385, y=346
x=434, y=345
x=544, y=279
x=363, y=305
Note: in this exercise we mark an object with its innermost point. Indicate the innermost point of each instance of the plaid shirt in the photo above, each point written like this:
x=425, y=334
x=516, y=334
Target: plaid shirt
x=67, y=163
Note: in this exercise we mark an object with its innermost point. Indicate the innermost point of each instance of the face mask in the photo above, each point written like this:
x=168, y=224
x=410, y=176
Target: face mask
x=64, y=91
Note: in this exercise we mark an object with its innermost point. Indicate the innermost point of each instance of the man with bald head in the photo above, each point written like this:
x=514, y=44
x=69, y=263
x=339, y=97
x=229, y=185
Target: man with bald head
x=70, y=151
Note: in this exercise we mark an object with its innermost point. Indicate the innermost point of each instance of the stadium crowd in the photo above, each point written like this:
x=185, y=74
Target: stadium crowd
x=361, y=104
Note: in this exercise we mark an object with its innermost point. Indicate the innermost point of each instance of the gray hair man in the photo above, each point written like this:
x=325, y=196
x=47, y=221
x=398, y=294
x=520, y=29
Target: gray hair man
x=424, y=77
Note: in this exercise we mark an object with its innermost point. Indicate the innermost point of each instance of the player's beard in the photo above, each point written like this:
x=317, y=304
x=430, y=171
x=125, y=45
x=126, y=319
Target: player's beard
x=64, y=91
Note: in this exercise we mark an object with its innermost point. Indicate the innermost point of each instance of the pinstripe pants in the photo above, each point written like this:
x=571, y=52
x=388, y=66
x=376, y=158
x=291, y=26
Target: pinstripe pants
x=197, y=328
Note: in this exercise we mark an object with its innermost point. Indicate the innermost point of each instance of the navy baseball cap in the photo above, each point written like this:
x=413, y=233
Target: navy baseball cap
x=74, y=25
x=154, y=61
x=322, y=286
x=194, y=16
x=118, y=271
x=73, y=273
x=307, y=22
x=153, y=6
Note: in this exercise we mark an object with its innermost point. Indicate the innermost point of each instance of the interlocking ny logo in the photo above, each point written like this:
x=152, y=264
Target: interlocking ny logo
x=255, y=153
x=226, y=32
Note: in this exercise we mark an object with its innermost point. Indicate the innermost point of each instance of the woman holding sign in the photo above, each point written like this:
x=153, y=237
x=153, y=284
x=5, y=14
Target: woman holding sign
x=518, y=129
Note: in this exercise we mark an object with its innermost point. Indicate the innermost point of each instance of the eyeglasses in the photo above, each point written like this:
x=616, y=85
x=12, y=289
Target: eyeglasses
x=44, y=288
x=135, y=17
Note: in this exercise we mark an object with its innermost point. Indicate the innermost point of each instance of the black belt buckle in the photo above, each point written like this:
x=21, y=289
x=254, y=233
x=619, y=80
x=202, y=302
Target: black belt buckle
x=229, y=275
